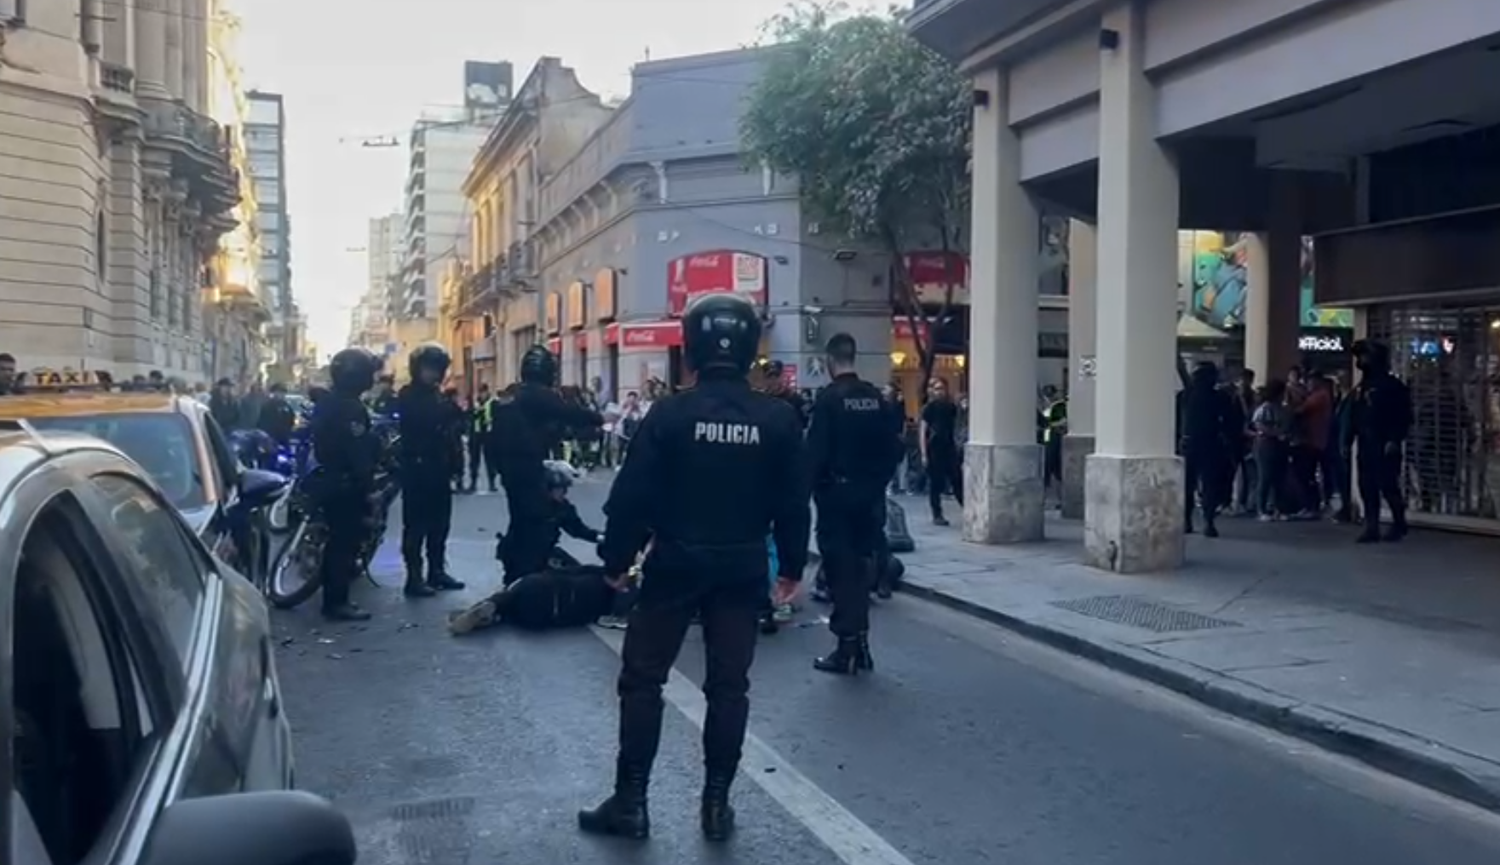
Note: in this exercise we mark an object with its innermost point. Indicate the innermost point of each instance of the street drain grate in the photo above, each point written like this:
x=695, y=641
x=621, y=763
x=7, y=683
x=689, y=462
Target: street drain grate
x=1139, y=613
x=433, y=809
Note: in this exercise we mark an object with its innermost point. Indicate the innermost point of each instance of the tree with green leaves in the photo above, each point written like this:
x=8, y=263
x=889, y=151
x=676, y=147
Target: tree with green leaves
x=876, y=128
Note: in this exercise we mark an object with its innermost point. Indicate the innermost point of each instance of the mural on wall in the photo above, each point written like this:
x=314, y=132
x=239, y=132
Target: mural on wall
x=1220, y=284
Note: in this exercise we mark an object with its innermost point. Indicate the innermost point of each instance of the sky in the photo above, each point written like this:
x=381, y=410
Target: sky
x=355, y=69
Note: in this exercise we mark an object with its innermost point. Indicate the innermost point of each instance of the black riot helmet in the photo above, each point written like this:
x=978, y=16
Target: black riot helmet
x=720, y=331
x=352, y=371
x=539, y=366
x=428, y=355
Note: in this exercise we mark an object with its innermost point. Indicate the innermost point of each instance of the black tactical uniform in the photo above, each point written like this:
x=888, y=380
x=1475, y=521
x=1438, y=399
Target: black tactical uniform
x=1380, y=417
x=527, y=422
x=712, y=471
x=426, y=466
x=1207, y=427
x=854, y=445
x=344, y=483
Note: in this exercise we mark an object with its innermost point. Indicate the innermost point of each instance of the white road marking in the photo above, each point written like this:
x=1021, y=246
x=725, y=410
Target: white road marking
x=844, y=834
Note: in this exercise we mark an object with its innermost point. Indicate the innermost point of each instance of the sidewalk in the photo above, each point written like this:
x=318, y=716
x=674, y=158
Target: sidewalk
x=1389, y=654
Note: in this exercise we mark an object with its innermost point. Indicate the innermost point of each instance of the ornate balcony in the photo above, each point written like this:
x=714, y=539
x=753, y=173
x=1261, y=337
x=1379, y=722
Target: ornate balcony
x=200, y=153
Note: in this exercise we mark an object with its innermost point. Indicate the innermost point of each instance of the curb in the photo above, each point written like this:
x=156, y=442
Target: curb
x=1420, y=761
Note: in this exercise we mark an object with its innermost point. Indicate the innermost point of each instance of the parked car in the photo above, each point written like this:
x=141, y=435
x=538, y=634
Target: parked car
x=177, y=441
x=140, y=694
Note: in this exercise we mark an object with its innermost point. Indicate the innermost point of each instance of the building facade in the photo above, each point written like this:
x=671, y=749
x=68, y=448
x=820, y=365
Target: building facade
x=121, y=184
x=659, y=206
x=370, y=320
x=441, y=152
x=494, y=303
x=1145, y=118
x=265, y=144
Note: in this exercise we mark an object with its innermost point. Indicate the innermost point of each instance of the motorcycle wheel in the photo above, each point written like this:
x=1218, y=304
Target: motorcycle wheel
x=296, y=573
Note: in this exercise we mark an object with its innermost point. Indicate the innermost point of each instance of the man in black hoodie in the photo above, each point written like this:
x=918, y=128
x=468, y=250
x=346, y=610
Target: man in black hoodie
x=1207, y=428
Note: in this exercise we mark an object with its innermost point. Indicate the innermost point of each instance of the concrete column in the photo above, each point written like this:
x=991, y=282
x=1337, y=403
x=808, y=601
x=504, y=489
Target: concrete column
x=1133, y=483
x=172, y=65
x=1273, y=307
x=151, y=48
x=195, y=54
x=1083, y=273
x=1003, y=489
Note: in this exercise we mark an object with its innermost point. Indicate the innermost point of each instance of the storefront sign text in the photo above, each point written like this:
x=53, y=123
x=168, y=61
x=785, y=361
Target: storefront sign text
x=1314, y=343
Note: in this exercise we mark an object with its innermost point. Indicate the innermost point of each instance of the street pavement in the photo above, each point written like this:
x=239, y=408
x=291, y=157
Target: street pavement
x=968, y=745
x=1390, y=652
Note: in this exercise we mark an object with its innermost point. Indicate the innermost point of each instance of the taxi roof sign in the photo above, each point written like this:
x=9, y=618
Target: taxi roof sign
x=67, y=379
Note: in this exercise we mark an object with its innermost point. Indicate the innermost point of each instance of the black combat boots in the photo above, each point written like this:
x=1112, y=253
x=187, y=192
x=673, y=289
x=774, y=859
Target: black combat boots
x=717, y=813
x=850, y=657
x=624, y=814
x=416, y=587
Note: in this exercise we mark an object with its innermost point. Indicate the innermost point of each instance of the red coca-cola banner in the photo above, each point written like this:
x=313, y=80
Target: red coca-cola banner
x=712, y=272
x=937, y=268
x=656, y=334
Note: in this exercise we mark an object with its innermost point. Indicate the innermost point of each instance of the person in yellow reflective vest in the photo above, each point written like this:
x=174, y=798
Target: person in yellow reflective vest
x=479, y=439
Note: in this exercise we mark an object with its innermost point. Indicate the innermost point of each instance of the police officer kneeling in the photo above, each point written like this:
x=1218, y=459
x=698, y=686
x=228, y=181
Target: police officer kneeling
x=711, y=471
x=854, y=444
x=344, y=483
x=428, y=425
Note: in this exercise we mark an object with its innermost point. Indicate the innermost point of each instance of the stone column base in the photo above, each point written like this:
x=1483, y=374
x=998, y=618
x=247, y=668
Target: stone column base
x=1133, y=520
x=1003, y=494
x=1075, y=451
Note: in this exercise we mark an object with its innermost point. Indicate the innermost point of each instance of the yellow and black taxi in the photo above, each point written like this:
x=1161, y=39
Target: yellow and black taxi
x=179, y=444
x=139, y=696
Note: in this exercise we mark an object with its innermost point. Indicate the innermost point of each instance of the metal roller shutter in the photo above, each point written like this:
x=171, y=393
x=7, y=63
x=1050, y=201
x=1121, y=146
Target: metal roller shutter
x=1449, y=356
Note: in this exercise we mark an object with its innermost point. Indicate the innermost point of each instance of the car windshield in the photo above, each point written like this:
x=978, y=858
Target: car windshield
x=162, y=442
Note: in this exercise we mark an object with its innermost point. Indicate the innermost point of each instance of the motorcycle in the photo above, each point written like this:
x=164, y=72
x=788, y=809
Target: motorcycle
x=297, y=572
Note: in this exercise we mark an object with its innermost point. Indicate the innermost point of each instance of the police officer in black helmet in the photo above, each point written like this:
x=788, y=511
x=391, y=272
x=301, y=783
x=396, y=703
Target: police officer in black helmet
x=344, y=483
x=427, y=464
x=527, y=422
x=711, y=471
x=854, y=445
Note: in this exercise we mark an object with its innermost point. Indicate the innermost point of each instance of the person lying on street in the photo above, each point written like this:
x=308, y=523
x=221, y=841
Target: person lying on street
x=548, y=600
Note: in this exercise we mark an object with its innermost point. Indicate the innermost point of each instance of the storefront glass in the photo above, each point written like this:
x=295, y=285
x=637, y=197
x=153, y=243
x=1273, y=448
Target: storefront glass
x=1449, y=355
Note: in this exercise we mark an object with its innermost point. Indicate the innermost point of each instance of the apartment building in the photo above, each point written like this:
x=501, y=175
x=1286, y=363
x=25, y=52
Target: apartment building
x=119, y=187
x=494, y=307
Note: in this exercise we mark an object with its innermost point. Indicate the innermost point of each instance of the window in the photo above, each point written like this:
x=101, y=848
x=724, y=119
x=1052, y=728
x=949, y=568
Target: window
x=82, y=730
x=225, y=461
x=161, y=556
x=161, y=442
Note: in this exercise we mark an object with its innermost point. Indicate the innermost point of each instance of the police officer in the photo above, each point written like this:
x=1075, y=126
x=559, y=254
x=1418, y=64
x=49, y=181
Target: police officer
x=426, y=466
x=527, y=422
x=853, y=446
x=344, y=483
x=711, y=471
x=1380, y=417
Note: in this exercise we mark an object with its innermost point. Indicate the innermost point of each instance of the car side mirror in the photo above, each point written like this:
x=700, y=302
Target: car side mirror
x=259, y=487
x=274, y=828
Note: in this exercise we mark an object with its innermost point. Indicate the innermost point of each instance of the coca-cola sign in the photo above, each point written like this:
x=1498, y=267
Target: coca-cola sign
x=713, y=272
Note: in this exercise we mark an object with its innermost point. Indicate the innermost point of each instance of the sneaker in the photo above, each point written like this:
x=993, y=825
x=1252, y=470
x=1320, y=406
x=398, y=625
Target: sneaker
x=783, y=614
x=614, y=623
x=1263, y=518
x=478, y=616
